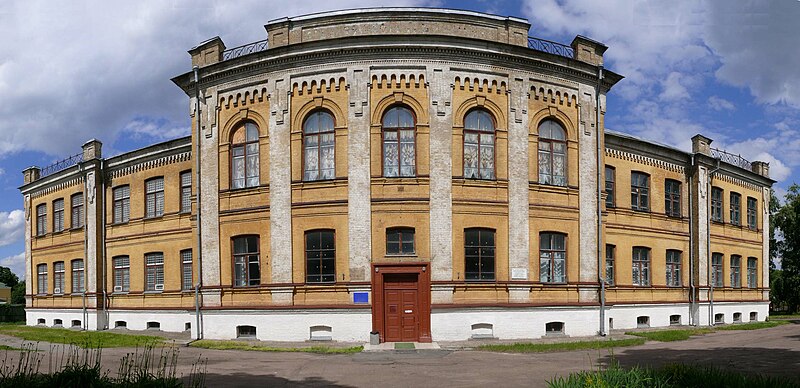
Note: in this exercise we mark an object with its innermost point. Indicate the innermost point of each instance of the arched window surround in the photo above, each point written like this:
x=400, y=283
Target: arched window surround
x=480, y=135
x=245, y=156
x=398, y=141
x=552, y=153
x=319, y=145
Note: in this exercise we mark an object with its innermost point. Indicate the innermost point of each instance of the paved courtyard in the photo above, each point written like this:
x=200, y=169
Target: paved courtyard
x=774, y=351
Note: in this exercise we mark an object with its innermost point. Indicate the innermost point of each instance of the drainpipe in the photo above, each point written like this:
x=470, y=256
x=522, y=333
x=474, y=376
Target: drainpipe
x=84, y=324
x=691, y=248
x=708, y=251
x=600, y=172
x=199, y=283
x=102, y=178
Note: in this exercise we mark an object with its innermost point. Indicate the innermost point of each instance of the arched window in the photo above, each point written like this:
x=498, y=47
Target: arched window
x=318, y=147
x=244, y=156
x=479, y=145
x=552, y=154
x=399, y=148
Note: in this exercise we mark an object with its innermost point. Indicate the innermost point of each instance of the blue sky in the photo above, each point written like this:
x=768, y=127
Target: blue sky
x=75, y=70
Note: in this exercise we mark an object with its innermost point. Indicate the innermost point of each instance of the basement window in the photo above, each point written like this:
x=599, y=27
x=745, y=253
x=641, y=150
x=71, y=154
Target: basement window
x=187, y=326
x=40, y=321
x=153, y=325
x=719, y=318
x=554, y=328
x=643, y=321
x=674, y=320
x=76, y=323
x=57, y=322
x=245, y=332
x=321, y=333
x=120, y=324
x=482, y=330
x=753, y=316
x=737, y=317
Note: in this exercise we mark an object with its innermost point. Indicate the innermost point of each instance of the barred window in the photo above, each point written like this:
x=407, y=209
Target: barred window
x=672, y=197
x=154, y=197
x=58, y=215
x=78, y=278
x=752, y=209
x=641, y=266
x=673, y=268
x=552, y=258
x=611, y=173
x=122, y=204
x=41, y=220
x=246, y=262
x=752, y=272
x=736, y=268
x=58, y=277
x=244, y=156
x=76, y=202
x=552, y=154
x=479, y=143
x=736, y=208
x=716, y=269
x=320, y=256
x=186, y=269
x=716, y=204
x=122, y=274
x=319, y=143
x=186, y=192
x=400, y=241
x=610, y=253
x=640, y=191
x=154, y=271
x=41, y=279
x=399, y=143
x=479, y=254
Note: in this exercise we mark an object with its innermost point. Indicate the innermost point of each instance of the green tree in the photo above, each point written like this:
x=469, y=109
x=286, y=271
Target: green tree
x=7, y=277
x=787, y=220
x=18, y=293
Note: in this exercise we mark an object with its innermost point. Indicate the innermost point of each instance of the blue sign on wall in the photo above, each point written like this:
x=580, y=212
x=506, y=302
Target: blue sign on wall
x=361, y=297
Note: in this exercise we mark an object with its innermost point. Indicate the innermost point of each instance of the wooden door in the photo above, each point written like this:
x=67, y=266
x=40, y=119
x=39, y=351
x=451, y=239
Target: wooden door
x=401, y=307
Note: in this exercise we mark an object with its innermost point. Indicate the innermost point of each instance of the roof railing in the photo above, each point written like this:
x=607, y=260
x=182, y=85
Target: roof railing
x=550, y=47
x=246, y=49
x=727, y=157
x=61, y=165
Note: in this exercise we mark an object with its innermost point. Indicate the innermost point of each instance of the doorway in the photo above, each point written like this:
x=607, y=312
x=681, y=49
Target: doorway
x=401, y=303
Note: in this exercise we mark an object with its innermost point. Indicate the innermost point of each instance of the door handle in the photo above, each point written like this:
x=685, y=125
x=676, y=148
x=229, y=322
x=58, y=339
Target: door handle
x=408, y=311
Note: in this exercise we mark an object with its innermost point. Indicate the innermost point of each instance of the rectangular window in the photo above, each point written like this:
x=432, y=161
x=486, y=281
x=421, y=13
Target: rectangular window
x=320, y=256
x=41, y=220
x=673, y=268
x=78, y=282
x=640, y=191
x=122, y=204
x=246, y=262
x=58, y=277
x=672, y=198
x=154, y=271
x=611, y=173
x=716, y=204
x=552, y=258
x=76, y=201
x=154, y=198
x=736, y=208
x=186, y=192
x=716, y=269
x=736, y=268
x=640, y=274
x=122, y=274
x=58, y=215
x=610, y=264
x=752, y=272
x=400, y=241
x=41, y=279
x=752, y=217
x=186, y=269
x=479, y=254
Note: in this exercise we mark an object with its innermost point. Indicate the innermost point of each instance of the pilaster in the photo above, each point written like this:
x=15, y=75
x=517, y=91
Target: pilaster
x=358, y=175
x=207, y=192
x=280, y=195
x=588, y=131
x=518, y=193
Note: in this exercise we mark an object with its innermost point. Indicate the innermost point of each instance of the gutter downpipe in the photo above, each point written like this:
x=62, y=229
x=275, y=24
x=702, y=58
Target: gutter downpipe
x=708, y=250
x=600, y=172
x=84, y=323
x=692, y=299
x=102, y=178
x=199, y=283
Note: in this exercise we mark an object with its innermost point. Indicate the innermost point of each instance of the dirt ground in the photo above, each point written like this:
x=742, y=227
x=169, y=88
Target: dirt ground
x=774, y=351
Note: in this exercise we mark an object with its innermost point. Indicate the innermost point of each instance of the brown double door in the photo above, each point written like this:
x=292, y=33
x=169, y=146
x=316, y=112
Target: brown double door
x=401, y=307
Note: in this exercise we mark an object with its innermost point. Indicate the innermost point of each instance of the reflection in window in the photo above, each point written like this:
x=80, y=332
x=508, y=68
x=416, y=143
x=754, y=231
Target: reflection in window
x=244, y=156
x=400, y=241
x=399, y=143
x=318, y=147
x=673, y=268
x=320, y=257
x=246, y=265
x=479, y=254
x=552, y=154
x=479, y=145
x=552, y=258
x=716, y=269
x=641, y=266
x=640, y=191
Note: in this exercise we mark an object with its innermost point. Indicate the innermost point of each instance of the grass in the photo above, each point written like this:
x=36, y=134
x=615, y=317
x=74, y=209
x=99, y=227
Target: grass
x=254, y=346
x=752, y=325
x=678, y=375
x=684, y=334
x=560, y=347
x=84, y=339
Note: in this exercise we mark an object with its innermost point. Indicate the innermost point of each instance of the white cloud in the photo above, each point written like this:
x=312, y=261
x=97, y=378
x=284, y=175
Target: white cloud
x=719, y=104
x=12, y=227
x=141, y=127
x=16, y=263
x=673, y=89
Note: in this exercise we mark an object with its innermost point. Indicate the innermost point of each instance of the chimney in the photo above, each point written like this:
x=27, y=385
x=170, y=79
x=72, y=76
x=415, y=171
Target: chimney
x=31, y=174
x=701, y=145
x=761, y=168
x=92, y=149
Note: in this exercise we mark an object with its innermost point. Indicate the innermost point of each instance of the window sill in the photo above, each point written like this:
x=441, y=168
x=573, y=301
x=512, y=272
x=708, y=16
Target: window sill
x=152, y=292
x=410, y=255
x=322, y=284
x=150, y=218
x=640, y=210
x=479, y=281
x=76, y=228
x=554, y=283
x=119, y=223
x=120, y=293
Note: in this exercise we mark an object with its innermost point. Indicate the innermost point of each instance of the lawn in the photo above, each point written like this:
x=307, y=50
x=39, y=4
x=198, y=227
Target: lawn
x=522, y=347
x=85, y=339
x=684, y=334
x=752, y=325
x=254, y=346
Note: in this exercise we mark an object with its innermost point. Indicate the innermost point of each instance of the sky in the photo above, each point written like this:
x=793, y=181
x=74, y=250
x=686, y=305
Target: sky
x=75, y=70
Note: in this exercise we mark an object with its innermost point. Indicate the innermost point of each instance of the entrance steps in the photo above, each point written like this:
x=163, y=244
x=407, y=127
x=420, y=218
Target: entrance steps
x=401, y=346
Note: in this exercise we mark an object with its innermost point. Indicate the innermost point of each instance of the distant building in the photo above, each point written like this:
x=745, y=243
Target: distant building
x=5, y=294
x=428, y=174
